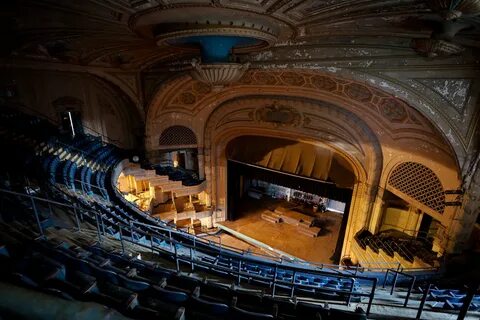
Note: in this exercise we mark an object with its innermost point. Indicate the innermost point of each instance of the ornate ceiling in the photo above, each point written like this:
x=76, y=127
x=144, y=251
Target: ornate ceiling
x=117, y=33
x=425, y=53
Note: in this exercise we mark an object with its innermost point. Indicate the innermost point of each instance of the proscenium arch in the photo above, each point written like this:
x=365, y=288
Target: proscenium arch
x=158, y=106
x=220, y=131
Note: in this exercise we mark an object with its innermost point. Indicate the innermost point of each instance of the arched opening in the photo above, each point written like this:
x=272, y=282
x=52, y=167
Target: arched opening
x=177, y=153
x=291, y=195
x=413, y=201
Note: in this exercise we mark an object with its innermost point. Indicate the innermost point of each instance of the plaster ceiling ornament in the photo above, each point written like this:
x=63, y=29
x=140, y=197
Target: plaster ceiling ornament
x=171, y=26
x=219, y=35
x=453, y=9
x=279, y=115
x=455, y=91
x=436, y=48
x=150, y=34
x=393, y=110
x=218, y=75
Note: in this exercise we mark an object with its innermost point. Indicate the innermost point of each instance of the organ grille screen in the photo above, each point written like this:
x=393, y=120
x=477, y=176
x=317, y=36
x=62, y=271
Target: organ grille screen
x=420, y=183
x=176, y=136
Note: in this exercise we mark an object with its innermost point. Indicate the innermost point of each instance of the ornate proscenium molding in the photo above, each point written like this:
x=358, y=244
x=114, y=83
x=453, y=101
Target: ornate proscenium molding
x=218, y=74
x=278, y=115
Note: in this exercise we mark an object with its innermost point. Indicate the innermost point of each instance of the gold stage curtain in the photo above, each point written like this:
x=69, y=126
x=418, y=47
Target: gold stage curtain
x=287, y=156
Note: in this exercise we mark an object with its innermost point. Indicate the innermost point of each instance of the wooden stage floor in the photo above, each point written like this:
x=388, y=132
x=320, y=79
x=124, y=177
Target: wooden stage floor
x=285, y=237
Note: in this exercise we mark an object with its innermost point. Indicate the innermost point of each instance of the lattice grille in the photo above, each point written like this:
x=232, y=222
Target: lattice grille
x=177, y=135
x=420, y=183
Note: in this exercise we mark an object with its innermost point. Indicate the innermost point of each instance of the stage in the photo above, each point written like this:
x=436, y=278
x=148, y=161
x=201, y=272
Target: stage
x=283, y=237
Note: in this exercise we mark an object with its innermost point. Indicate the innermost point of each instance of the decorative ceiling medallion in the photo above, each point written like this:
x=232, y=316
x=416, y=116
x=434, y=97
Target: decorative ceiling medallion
x=218, y=75
x=436, y=48
x=279, y=116
x=171, y=26
x=264, y=37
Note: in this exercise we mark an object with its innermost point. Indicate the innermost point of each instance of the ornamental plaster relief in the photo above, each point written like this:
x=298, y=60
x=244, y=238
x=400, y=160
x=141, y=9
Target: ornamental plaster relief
x=389, y=116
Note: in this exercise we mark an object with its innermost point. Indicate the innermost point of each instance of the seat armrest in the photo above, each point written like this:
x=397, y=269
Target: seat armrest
x=180, y=315
x=196, y=292
x=163, y=283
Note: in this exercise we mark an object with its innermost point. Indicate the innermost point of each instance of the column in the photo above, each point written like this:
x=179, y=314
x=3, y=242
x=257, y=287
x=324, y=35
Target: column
x=201, y=163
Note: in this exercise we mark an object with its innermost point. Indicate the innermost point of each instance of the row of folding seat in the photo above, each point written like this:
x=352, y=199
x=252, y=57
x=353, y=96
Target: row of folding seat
x=188, y=178
x=75, y=171
x=407, y=248
x=451, y=299
x=331, y=287
x=287, y=275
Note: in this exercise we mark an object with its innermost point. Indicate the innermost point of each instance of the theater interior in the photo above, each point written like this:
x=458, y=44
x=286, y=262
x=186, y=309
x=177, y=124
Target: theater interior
x=240, y=159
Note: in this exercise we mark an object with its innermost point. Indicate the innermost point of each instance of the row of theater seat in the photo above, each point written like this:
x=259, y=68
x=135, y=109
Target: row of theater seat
x=319, y=286
x=450, y=299
x=80, y=163
x=408, y=248
x=187, y=177
x=140, y=289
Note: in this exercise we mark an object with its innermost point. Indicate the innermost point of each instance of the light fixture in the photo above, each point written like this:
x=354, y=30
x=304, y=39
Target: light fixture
x=218, y=75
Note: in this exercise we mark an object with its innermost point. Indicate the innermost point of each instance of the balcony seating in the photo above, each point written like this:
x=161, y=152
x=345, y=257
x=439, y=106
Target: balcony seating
x=135, y=288
x=407, y=247
x=188, y=178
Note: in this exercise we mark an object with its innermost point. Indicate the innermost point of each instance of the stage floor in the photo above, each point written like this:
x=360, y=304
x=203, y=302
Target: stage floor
x=285, y=237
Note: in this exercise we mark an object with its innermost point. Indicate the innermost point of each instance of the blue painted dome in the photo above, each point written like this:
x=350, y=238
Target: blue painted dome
x=216, y=48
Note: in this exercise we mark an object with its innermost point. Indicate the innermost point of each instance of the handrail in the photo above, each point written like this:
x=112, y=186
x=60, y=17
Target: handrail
x=283, y=267
x=193, y=237
x=180, y=231
x=157, y=227
x=35, y=198
x=401, y=250
x=416, y=233
x=404, y=229
x=90, y=184
x=274, y=281
x=178, y=248
x=366, y=263
x=396, y=273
